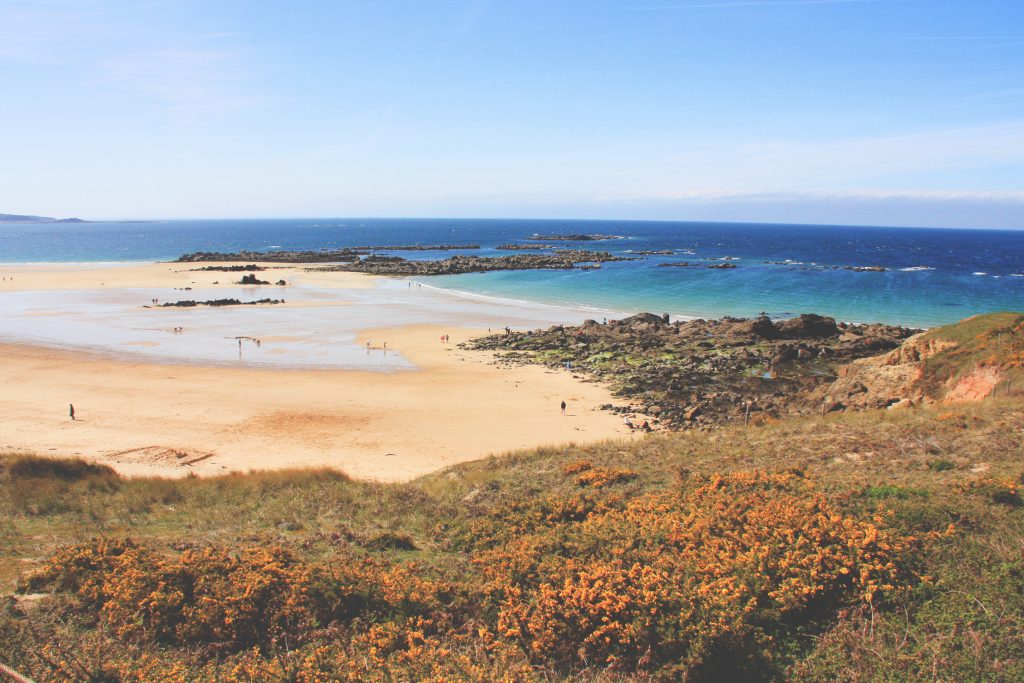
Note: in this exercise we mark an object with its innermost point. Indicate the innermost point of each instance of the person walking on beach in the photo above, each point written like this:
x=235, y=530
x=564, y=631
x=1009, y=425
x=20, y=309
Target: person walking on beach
x=563, y=407
x=71, y=410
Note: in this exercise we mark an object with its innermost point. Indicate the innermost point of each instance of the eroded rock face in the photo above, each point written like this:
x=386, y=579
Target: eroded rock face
x=874, y=383
x=917, y=349
x=899, y=378
x=981, y=382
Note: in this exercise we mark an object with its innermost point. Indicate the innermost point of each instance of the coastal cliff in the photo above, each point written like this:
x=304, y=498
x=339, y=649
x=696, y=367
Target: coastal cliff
x=969, y=360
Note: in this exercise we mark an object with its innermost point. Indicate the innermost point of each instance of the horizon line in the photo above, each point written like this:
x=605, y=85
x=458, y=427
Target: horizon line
x=75, y=220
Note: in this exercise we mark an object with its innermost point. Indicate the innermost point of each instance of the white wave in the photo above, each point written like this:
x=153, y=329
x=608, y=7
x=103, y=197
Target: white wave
x=980, y=273
x=1016, y=274
x=914, y=269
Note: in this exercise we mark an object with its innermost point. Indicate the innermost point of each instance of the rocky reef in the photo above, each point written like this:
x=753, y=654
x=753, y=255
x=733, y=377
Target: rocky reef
x=231, y=269
x=800, y=265
x=321, y=256
x=419, y=247
x=524, y=247
x=219, y=302
x=395, y=265
x=573, y=237
x=688, y=264
x=324, y=256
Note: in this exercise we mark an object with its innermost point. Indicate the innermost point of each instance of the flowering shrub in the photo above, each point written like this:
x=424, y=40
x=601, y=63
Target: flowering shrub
x=224, y=599
x=673, y=577
x=697, y=580
x=577, y=466
x=383, y=653
x=599, y=477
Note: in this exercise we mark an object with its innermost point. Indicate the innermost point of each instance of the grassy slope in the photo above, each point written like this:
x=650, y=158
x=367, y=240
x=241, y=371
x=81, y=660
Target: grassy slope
x=510, y=566
x=994, y=339
x=929, y=468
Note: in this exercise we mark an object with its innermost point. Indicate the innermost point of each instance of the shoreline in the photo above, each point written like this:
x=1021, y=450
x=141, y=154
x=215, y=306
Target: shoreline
x=146, y=412
x=535, y=300
x=53, y=306
x=151, y=419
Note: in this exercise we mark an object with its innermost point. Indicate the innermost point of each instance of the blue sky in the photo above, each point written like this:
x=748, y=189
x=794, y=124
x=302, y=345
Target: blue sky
x=898, y=112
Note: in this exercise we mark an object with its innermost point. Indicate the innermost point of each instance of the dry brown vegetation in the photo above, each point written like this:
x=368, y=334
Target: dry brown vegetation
x=876, y=546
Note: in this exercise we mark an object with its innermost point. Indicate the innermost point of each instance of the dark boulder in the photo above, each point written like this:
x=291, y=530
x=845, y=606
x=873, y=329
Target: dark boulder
x=808, y=326
x=649, y=318
x=762, y=327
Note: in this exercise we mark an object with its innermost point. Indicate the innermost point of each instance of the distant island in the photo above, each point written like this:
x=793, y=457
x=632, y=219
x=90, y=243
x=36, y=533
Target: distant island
x=16, y=218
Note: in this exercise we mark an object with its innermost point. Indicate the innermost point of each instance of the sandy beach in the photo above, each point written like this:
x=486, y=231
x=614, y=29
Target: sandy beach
x=144, y=406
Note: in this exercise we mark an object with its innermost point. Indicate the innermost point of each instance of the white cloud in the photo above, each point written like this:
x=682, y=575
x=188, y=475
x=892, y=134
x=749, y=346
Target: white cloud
x=723, y=195
x=906, y=160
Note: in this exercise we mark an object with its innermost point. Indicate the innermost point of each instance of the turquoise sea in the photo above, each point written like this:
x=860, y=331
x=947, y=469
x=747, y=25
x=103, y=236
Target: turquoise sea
x=931, y=276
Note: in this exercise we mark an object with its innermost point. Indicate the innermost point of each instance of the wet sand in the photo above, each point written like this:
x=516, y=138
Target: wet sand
x=417, y=407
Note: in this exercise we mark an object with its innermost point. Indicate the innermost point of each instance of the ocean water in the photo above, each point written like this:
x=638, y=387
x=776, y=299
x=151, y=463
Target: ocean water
x=933, y=276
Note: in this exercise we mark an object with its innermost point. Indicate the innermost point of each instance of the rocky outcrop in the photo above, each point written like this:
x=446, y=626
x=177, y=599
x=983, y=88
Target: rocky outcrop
x=873, y=383
x=524, y=247
x=337, y=255
x=394, y=265
x=701, y=373
x=979, y=383
x=761, y=327
x=322, y=256
x=808, y=326
x=419, y=247
x=687, y=264
x=219, y=302
x=800, y=265
x=573, y=237
x=916, y=349
x=966, y=361
x=231, y=269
